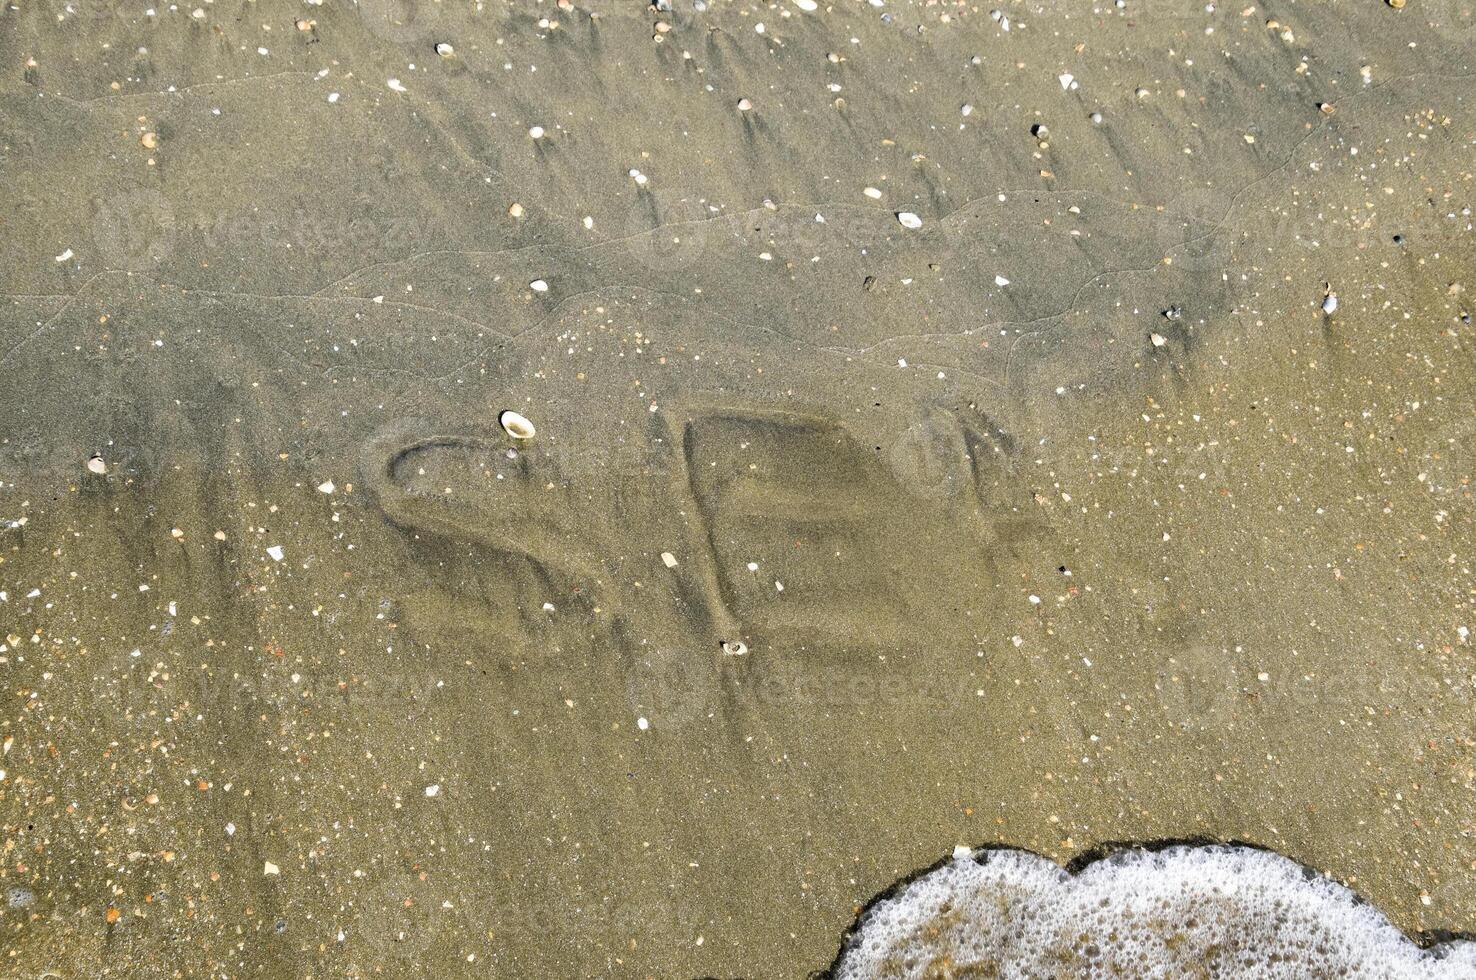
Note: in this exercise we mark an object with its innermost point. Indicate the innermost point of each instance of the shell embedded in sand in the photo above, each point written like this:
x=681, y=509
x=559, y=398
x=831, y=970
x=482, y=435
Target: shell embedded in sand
x=96, y=465
x=734, y=648
x=516, y=425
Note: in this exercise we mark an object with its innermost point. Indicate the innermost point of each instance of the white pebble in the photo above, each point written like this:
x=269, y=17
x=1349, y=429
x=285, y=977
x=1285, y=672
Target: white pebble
x=909, y=220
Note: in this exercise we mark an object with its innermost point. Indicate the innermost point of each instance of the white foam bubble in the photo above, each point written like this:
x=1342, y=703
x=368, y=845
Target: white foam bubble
x=1214, y=911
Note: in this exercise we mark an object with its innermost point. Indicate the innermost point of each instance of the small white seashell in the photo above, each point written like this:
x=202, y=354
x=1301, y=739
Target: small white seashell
x=96, y=465
x=444, y=50
x=1001, y=281
x=745, y=104
x=808, y=6
x=1330, y=304
x=538, y=286
x=516, y=425
x=276, y=552
x=536, y=133
x=872, y=193
x=909, y=220
x=1158, y=339
x=669, y=559
x=734, y=648
x=326, y=486
x=1065, y=79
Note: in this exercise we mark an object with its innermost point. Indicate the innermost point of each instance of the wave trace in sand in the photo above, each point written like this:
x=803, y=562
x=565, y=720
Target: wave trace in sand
x=1182, y=912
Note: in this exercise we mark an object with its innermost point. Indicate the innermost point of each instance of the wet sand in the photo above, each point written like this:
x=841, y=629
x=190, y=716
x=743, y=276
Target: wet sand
x=1068, y=517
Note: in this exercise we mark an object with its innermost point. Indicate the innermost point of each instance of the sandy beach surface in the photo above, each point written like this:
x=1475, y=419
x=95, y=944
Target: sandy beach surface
x=1048, y=427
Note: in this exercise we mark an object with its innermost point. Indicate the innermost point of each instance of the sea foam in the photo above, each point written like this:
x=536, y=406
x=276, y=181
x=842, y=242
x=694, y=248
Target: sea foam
x=1185, y=911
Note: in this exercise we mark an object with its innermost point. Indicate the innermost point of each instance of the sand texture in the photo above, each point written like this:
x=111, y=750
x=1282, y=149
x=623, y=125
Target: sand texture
x=1088, y=479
